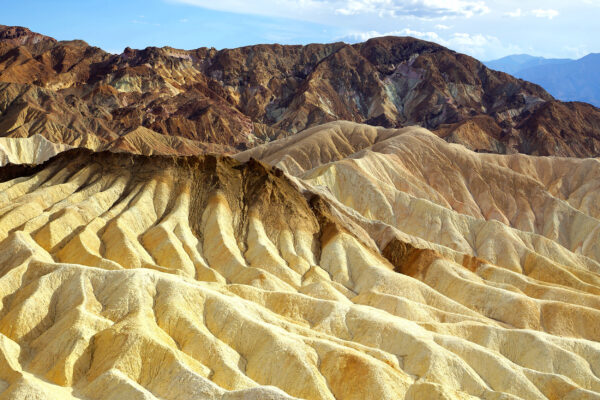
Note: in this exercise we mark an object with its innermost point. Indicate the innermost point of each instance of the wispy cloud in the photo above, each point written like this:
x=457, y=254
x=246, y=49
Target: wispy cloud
x=140, y=20
x=541, y=13
x=324, y=10
x=363, y=36
x=424, y=8
x=483, y=28
x=514, y=14
x=538, y=13
x=474, y=44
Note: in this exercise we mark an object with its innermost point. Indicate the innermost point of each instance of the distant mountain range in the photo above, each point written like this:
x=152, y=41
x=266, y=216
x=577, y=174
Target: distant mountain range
x=516, y=63
x=564, y=78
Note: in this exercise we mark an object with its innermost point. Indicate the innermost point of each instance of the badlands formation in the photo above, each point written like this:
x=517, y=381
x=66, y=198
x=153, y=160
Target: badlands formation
x=344, y=262
x=186, y=102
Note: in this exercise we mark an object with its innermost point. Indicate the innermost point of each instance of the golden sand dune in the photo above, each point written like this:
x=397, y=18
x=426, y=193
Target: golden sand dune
x=393, y=265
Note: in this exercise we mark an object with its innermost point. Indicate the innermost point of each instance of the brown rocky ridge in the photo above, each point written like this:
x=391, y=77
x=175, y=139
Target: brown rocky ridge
x=171, y=101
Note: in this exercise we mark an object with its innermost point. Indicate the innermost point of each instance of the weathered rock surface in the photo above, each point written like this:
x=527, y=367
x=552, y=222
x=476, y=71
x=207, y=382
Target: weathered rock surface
x=235, y=99
x=392, y=265
x=31, y=150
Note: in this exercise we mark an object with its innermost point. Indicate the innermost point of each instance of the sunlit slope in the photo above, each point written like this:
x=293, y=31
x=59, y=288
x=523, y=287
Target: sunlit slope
x=31, y=150
x=380, y=275
x=521, y=191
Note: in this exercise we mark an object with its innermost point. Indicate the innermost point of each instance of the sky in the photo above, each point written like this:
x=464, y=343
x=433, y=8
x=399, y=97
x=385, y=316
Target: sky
x=485, y=29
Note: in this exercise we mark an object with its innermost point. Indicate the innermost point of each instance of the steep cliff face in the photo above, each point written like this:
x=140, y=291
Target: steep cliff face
x=389, y=265
x=235, y=99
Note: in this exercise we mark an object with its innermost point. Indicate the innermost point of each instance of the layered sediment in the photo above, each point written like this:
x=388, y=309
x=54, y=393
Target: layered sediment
x=185, y=102
x=390, y=264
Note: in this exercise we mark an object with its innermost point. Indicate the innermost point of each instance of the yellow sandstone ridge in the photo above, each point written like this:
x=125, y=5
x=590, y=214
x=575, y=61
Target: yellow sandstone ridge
x=391, y=265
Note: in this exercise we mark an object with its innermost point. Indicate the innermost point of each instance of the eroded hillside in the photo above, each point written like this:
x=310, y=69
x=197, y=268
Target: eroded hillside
x=390, y=264
x=171, y=101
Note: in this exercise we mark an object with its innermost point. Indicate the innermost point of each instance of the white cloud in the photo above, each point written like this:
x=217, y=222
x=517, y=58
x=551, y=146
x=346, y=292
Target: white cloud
x=549, y=13
x=419, y=8
x=360, y=36
x=514, y=14
x=486, y=29
x=323, y=11
x=479, y=45
x=468, y=41
x=476, y=45
x=431, y=36
x=363, y=36
x=538, y=13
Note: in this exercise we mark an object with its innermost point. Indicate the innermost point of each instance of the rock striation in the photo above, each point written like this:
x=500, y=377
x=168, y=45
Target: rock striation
x=234, y=99
x=344, y=262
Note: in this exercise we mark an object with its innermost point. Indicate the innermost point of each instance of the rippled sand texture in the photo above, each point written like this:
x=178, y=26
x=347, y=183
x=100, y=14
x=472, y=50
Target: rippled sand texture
x=392, y=265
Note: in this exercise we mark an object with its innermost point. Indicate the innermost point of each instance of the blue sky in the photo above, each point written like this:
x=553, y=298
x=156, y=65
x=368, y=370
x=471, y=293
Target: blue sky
x=485, y=29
